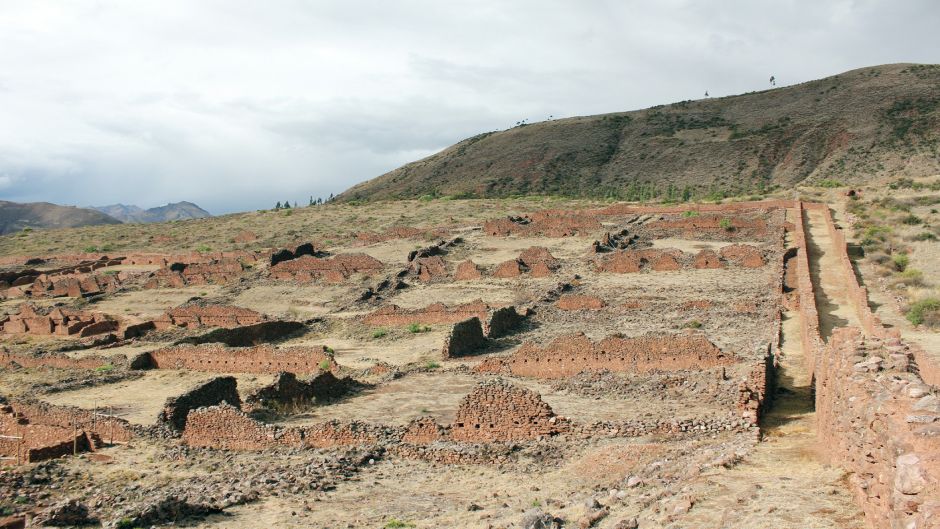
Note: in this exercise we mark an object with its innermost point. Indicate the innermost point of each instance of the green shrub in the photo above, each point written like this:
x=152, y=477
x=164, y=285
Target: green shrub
x=105, y=368
x=90, y=249
x=925, y=310
x=325, y=365
x=830, y=183
x=912, y=220
x=900, y=261
x=432, y=364
x=202, y=248
x=395, y=523
x=725, y=224
x=417, y=327
x=694, y=324
x=690, y=213
x=910, y=277
x=925, y=236
x=378, y=333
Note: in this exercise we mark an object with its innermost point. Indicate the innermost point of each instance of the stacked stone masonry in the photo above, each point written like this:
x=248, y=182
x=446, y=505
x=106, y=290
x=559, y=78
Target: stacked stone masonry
x=217, y=358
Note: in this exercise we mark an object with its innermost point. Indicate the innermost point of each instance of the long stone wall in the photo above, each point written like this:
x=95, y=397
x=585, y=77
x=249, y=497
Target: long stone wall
x=880, y=421
x=571, y=354
x=220, y=359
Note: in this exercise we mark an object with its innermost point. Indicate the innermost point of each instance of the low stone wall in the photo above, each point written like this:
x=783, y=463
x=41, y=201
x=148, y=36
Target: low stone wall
x=220, y=359
x=571, y=354
x=547, y=223
x=756, y=390
x=580, y=302
x=809, y=315
x=661, y=260
x=193, y=315
x=881, y=422
x=178, y=275
x=58, y=361
x=436, y=313
x=60, y=321
x=335, y=269
x=215, y=391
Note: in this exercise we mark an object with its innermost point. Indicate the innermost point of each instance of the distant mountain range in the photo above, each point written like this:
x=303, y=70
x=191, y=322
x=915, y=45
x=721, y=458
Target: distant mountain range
x=134, y=214
x=15, y=216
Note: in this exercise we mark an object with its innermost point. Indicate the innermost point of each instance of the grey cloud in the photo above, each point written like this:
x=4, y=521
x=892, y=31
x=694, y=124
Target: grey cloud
x=235, y=105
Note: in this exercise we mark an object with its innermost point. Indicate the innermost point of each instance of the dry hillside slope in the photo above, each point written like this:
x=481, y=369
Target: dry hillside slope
x=15, y=216
x=868, y=123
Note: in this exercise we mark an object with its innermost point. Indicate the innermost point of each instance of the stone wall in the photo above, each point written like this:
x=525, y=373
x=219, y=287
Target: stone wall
x=193, y=315
x=436, y=313
x=547, y=223
x=58, y=361
x=880, y=421
x=210, y=393
x=497, y=411
x=660, y=260
x=335, y=269
x=287, y=389
x=465, y=338
x=220, y=359
x=178, y=275
x=580, y=302
x=59, y=320
x=571, y=354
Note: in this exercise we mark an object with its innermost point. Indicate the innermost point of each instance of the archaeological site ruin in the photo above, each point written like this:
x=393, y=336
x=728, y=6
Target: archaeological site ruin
x=602, y=365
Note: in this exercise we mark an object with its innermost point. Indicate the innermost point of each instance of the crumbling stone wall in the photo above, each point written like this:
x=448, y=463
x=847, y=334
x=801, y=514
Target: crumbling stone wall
x=215, y=391
x=503, y=321
x=467, y=271
x=220, y=359
x=335, y=269
x=548, y=223
x=300, y=250
x=401, y=232
x=429, y=268
x=756, y=390
x=742, y=255
x=496, y=411
x=59, y=320
x=571, y=354
x=730, y=226
x=178, y=275
x=659, y=260
x=465, y=338
x=59, y=361
x=879, y=420
x=194, y=315
x=53, y=431
x=535, y=261
x=287, y=389
x=580, y=302
x=436, y=313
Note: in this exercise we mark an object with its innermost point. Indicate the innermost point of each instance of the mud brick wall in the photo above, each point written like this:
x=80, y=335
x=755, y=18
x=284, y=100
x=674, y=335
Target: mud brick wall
x=429, y=268
x=287, y=389
x=178, y=274
x=215, y=391
x=465, y=338
x=436, y=313
x=496, y=411
x=881, y=422
x=569, y=355
x=335, y=269
x=209, y=316
x=660, y=260
x=467, y=271
x=423, y=430
x=335, y=433
x=59, y=320
x=220, y=359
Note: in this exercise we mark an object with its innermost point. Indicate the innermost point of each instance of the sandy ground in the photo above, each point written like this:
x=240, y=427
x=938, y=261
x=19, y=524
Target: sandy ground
x=833, y=305
x=140, y=400
x=150, y=303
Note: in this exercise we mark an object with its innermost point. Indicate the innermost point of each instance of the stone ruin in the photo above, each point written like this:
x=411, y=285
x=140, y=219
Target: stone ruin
x=178, y=275
x=660, y=260
x=196, y=315
x=287, y=389
x=300, y=250
x=467, y=271
x=211, y=393
x=571, y=354
x=60, y=321
x=548, y=223
x=536, y=261
x=36, y=431
x=496, y=322
x=465, y=338
x=334, y=270
x=499, y=412
x=216, y=358
x=724, y=227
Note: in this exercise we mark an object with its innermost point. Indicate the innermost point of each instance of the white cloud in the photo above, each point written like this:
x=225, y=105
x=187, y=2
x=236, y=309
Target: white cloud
x=236, y=104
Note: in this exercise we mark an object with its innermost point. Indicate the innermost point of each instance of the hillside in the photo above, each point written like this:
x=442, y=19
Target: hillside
x=861, y=125
x=15, y=217
x=135, y=214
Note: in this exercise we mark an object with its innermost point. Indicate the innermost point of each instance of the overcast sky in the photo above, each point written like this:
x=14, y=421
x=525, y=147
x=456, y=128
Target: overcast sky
x=235, y=105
